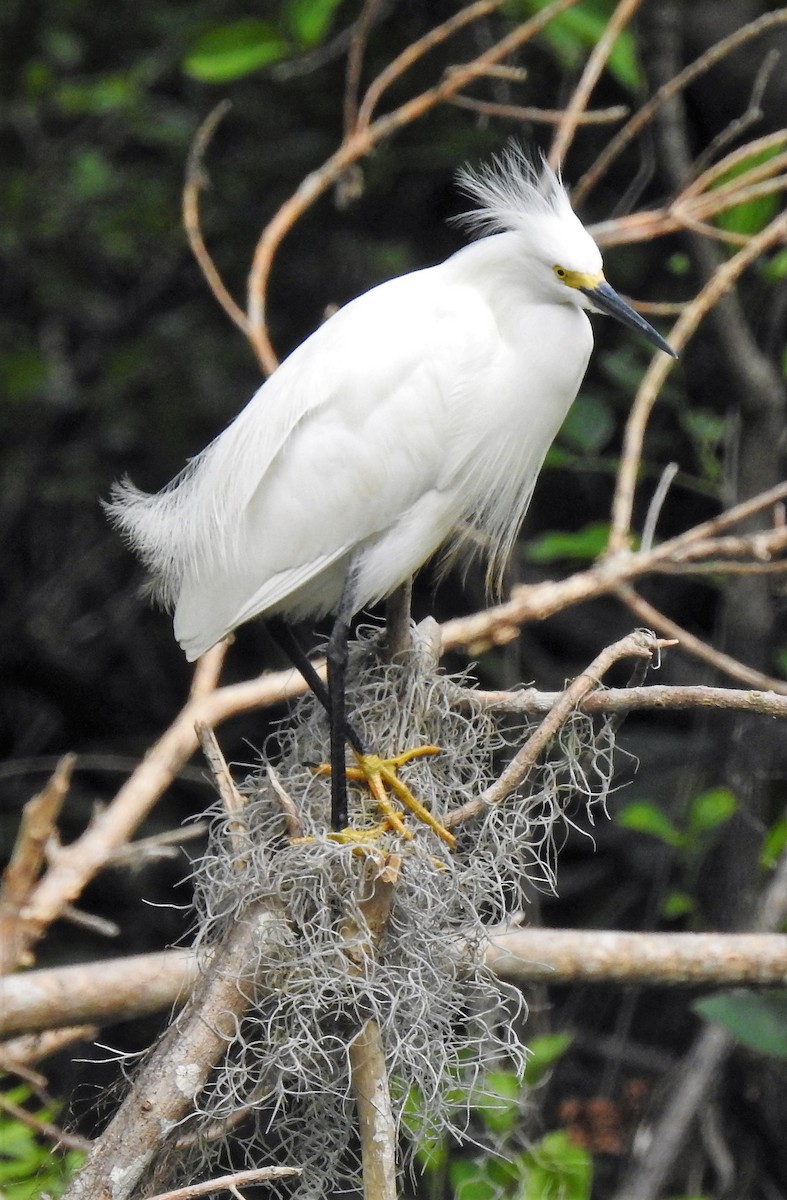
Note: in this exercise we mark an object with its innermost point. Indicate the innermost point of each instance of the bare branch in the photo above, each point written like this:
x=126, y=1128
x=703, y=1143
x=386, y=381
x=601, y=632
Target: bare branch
x=113, y=990
x=640, y=644
x=539, y=116
x=376, y=1125
x=355, y=53
x=717, y=286
x=595, y=64
x=417, y=50
x=43, y=1129
x=657, y=697
x=19, y=878
x=680, y=81
x=608, y=956
x=648, y=1173
x=499, y=624
x=166, y=1086
x=224, y=1183
x=196, y=180
x=362, y=140
x=521, y=954
x=695, y=646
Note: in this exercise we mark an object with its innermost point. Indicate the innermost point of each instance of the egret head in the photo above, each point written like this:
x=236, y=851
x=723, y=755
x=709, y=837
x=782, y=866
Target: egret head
x=562, y=260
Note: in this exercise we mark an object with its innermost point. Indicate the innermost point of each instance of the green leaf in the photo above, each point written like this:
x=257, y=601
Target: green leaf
x=571, y=33
x=544, y=1051
x=498, y=1101
x=774, y=844
x=585, y=544
x=560, y=1170
x=27, y=1167
x=677, y=904
x=483, y=1179
x=775, y=269
x=97, y=95
x=226, y=52
x=752, y=215
x=645, y=817
x=24, y=372
x=589, y=424
x=710, y=809
x=704, y=426
x=679, y=263
x=310, y=20
x=757, y=1019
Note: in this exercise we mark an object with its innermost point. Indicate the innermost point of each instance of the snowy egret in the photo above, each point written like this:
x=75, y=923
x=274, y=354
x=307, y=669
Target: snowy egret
x=417, y=417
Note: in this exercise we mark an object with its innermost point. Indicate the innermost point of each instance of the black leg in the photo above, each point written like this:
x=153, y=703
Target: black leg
x=332, y=698
x=286, y=641
x=337, y=675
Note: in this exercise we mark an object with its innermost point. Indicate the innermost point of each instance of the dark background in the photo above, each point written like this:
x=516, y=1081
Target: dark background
x=115, y=359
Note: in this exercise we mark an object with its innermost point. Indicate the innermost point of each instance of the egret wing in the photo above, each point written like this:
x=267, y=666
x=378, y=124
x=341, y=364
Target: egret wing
x=339, y=448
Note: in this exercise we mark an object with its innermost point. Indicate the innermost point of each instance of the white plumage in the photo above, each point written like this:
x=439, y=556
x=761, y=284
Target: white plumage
x=416, y=417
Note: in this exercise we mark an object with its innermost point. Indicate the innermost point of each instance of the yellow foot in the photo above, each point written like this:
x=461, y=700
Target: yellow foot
x=381, y=773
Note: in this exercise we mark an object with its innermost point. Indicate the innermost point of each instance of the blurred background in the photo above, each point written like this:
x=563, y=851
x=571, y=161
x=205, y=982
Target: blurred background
x=115, y=359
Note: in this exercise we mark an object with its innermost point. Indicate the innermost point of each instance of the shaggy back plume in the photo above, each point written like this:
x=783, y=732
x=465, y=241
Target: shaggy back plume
x=445, y=1020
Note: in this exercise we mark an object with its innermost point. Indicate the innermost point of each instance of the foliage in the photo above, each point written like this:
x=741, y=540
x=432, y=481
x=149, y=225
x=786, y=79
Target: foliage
x=691, y=839
x=28, y=1166
x=573, y=32
x=757, y=1019
x=554, y=1168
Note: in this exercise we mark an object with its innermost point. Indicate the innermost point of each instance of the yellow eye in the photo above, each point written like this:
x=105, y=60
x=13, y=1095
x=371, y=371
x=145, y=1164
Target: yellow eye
x=561, y=272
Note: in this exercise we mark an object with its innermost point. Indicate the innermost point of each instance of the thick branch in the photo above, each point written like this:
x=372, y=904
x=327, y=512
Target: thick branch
x=113, y=990
x=165, y=1087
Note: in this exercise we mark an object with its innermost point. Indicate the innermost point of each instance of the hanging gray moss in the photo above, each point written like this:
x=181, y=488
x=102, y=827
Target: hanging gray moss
x=444, y=1018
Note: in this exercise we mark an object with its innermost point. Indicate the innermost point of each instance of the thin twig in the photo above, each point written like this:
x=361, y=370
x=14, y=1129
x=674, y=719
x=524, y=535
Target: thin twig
x=223, y=1183
x=231, y=798
x=539, y=116
x=752, y=115
x=680, y=81
x=196, y=180
x=696, y=647
x=654, y=697
x=640, y=644
x=717, y=286
x=44, y=1129
x=362, y=140
x=416, y=50
x=355, y=53
x=27, y=857
x=286, y=803
x=595, y=64
x=656, y=505
x=207, y=669
x=17, y=1053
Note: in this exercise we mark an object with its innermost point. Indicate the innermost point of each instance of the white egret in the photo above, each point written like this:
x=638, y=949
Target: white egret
x=417, y=417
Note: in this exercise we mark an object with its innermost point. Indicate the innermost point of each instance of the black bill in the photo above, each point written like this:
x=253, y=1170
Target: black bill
x=606, y=300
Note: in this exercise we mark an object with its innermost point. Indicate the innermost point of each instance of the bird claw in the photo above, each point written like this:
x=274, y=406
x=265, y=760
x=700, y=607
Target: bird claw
x=380, y=774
